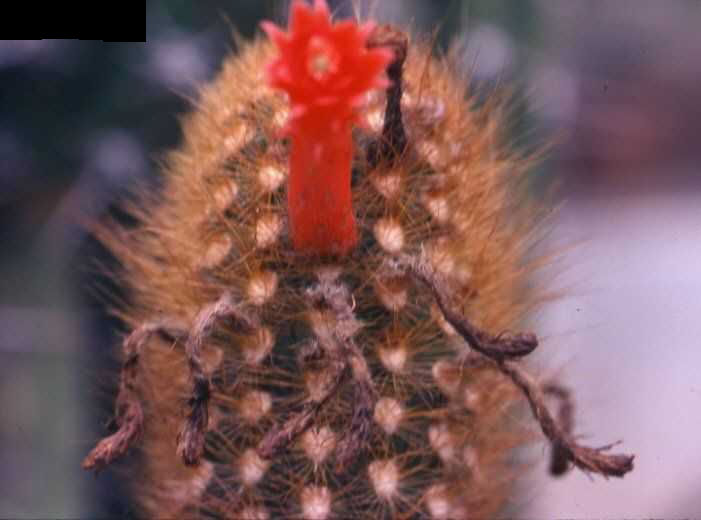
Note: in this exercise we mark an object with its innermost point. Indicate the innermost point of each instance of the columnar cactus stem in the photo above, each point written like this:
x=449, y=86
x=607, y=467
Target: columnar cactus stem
x=305, y=347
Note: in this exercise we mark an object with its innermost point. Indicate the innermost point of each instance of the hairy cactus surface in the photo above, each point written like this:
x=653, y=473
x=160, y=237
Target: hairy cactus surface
x=319, y=293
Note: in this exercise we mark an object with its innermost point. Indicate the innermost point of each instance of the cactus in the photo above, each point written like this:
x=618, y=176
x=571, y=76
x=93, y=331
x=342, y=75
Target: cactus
x=319, y=293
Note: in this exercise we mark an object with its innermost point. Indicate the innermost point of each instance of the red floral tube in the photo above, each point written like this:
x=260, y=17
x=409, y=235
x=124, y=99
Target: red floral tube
x=325, y=68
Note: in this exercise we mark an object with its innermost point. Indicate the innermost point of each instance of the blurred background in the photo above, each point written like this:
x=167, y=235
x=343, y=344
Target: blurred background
x=616, y=82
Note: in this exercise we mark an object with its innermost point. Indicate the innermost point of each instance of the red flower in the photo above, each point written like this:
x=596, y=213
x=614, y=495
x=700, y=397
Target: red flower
x=325, y=68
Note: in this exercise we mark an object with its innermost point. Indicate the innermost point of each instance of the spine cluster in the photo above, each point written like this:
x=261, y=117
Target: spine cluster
x=271, y=375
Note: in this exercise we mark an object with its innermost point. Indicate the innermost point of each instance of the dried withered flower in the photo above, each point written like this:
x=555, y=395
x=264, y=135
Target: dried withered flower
x=319, y=293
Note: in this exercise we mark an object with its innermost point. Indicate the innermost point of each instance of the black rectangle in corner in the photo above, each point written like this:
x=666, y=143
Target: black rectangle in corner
x=123, y=21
